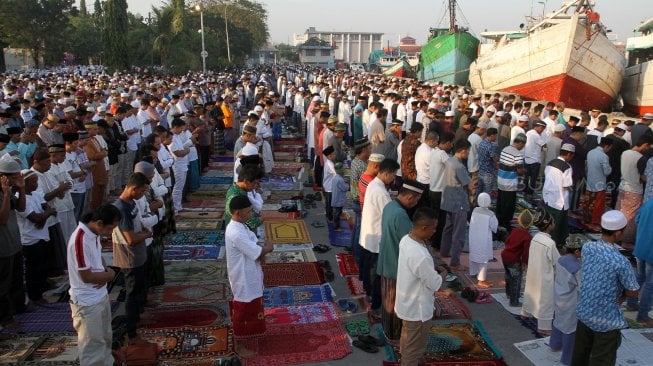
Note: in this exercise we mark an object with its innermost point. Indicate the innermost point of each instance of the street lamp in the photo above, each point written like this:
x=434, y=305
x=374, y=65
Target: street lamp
x=203, y=54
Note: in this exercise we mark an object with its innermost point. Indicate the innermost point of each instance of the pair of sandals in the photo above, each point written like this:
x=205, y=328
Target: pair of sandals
x=321, y=248
x=326, y=267
x=347, y=306
x=358, y=327
x=317, y=224
x=368, y=343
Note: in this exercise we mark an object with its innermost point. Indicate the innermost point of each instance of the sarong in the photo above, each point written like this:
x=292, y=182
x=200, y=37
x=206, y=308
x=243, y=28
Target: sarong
x=594, y=207
x=560, y=231
x=389, y=320
x=247, y=318
x=629, y=203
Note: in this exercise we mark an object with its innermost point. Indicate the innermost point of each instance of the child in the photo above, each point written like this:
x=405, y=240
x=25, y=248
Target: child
x=327, y=179
x=542, y=259
x=180, y=165
x=481, y=226
x=515, y=256
x=567, y=287
x=338, y=195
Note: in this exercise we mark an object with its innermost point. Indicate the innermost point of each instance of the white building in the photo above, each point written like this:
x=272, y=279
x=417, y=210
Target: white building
x=350, y=47
x=320, y=56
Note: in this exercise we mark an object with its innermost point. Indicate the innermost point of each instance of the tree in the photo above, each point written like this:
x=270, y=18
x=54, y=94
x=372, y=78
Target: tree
x=116, y=26
x=287, y=52
x=35, y=24
x=82, y=38
x=82, y=8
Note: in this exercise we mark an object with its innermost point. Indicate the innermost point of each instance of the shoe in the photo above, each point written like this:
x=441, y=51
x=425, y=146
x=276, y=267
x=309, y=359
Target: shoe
x=365, y=347
x=371, y=340
x=648, y=322
x=329, y=275
x=324, y=264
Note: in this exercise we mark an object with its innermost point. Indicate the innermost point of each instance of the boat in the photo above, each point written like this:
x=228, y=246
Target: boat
x=401, y=68
x=448, y=53
x=390, y=62
x=564, y=57
x=637, y=87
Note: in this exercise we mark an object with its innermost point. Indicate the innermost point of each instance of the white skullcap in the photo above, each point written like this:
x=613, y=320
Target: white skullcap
x=484, y=200
x=613, y=220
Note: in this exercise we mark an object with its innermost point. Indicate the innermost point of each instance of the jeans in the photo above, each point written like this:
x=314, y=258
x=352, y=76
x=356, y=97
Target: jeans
x=355, y=236
x=513, y=276
x=135, y=287
x=645, y=279
x=487, y=183
x=78, y=201
x=530, y=180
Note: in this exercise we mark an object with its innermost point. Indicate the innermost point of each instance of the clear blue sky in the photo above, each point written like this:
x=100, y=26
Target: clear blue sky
x=414, y=17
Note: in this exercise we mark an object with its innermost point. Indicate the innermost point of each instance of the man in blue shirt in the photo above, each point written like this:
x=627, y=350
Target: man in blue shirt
x=644, y=253
x=607, y=279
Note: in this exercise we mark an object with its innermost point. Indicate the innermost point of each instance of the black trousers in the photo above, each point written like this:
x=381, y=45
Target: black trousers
x=506, y=201
x=327, y=206
x=136, y=289
x=435, y=199
x=595, y=348
x=12, y=292
x=36, y=272
x=204, y=157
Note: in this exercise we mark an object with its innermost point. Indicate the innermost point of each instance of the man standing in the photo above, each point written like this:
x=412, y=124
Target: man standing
x=578, y=165
x=244, y=258
x=472, y=159
x=362, y=150
x=644, y=253
x=598, y=169
x=619, y=145
x=535, y=142
x=455, y=201
x=438, y=158
x=642, y=128
x=418, y=277
x=607, y=278
x=395, y=224
x=555, y=193
x=423, y=160
x=487, y=163
x=377, y=131
x=392, y=139
x=631, y=188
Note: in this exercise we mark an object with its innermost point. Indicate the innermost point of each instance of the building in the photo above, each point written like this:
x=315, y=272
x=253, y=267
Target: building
x=350, y=47
x=317, y=54
x=267, y=54
x=18, y=59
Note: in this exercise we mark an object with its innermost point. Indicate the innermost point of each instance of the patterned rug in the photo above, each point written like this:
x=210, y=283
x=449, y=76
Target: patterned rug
x=189, y=315
x=188, y=252
x=223, y=159
x=276, y=215
x=340, y=238
x=347, y=264
x=286, y=232
x=292, y=274
x=292, y=247
x=190, y=342
x=289, y=344
x=48, y=349
x=216, y=179
x=214, y=187
x=284, y=296
x=200, y=215
x=279, y=196
x=47, y=318
x=190, y=294
x=219, y=173
x=449, y=306
x=199, y=225
x=204, y=203
x=305, y=314
x=217, y=195
x=280, y=186
x=355, y=285
x=196, y=272
x=294, y=256
x=278, y=178
x=196, y=238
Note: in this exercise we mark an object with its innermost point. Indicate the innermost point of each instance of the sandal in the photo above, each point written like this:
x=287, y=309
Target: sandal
x=324, y=264
x=371, y=340
x=365, y=347
x=329, y=275
x=321, y=248
x=343, y=304
x=352, y=307
x=484, y=284
x=363, y=327
x=484, y=298
x=352, y=328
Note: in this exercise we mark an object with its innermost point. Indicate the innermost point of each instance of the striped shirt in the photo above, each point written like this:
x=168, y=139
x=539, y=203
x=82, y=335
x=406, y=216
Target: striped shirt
x=363, y=181
x=509, y=160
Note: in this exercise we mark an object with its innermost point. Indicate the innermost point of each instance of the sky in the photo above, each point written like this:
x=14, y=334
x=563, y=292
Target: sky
x=414, y=17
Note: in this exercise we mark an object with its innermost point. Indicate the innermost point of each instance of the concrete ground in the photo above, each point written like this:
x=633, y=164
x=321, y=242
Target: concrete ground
x=502, y=327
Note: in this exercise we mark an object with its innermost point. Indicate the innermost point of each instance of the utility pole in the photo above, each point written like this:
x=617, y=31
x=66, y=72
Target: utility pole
x=200, y=7
x=226, y=30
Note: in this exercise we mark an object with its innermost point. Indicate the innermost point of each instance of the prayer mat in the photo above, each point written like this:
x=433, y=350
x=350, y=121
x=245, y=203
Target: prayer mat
x=55, y=349
x=280, y=196
x=214, y=187
x=285, y=156
x=286, y=232
x=15, y=350
x=47, y=318
x=223, y=159
x=200, y=215
x=190, y=315
x=196, y=272
x=448, y=306
x=207, y=238
x=190, y=342
x=290, y=141
x=198, y=225
x=220, y=195
x=271, y=207
x=292, y=171
x=219, y=173
x=190, y=294
x=455, y=363
x=305, y=314
x=292, y=274
x=347, y=264
x=278, y=178
x=294, y=256
x=187, y=252
x=280, y=186
x=340, y=238
x=204, y=203
x=222, y=165
x=276, y=215
x=216, y=180
x=284, y=296
x=292, y=247
x=289, y=344
x=355, y=285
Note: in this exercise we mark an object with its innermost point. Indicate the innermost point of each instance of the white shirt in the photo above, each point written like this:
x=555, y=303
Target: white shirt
x=422, y=163
x=84, y=252
x=130, y=123
x=436, y=169
x=514, y=131
x=417, y=276
x=72, y=165
x=533, y=148
x=329, y=174
x=376, y=197
x=29, y=233
x=245, y=271
x=177, y=144
x=143, y=119
x=472, y=160
x=555, y=192
x=630, y=179
x=192, y=155
x=166, y=160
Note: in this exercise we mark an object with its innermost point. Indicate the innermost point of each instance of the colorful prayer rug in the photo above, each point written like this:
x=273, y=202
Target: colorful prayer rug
x=190, y=342
x=219, y=173
x=271, y=207
x=46, y=318
x=289, y=344
x=280, y=186
x=276, y=215
x=286, y=232
x=222, y=165
x=196, y=272
x=280, y=196
x=340, y=238
x=220, y=195
x=292, y=247
x=47, y=349
x=275, y=178
x=216, y=180
x=190, y=315
x=292, y=274
x=188, y=252
x=214, y=187
x=197, y=238
x=190, y=294
x=355, y=285
x=347, y=264
x=283, y=296
x=305, y=314
x=204, y=203
x=294, y=256
x=223, y=158
x=448, y=306
x=200, y=215
x=15, y=350
x=198, y=225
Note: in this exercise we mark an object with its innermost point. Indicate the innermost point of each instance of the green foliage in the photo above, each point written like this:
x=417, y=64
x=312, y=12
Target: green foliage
x=116, y=26
x=287, y=52
x=82, y=8
x=82, y=40
x=314, y=41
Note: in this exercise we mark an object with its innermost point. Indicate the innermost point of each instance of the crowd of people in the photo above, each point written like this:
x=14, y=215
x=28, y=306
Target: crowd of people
x=85, y=156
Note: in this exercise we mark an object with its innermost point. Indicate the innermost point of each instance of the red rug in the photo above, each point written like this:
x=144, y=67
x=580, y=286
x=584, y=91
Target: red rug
x=190, y=315
x=290, y=344
x=190, y=294
x=347, y=264
x=355, y=286
x=304, y=314
x=292, y=274
x=448, y=306
x=190, y=342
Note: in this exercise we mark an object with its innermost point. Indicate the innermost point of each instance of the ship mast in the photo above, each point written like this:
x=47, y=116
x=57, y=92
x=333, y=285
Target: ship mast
x=452, y=16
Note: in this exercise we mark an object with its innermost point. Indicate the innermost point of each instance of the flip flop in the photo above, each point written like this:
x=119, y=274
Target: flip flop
x=352, y=328
x=324, y=264
x=317, y=224
x=365, y=347
x=352, y=307
x=363, y=326
x=343, y=304
x=329, y=275
x=371, y=340
x=323, y=248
